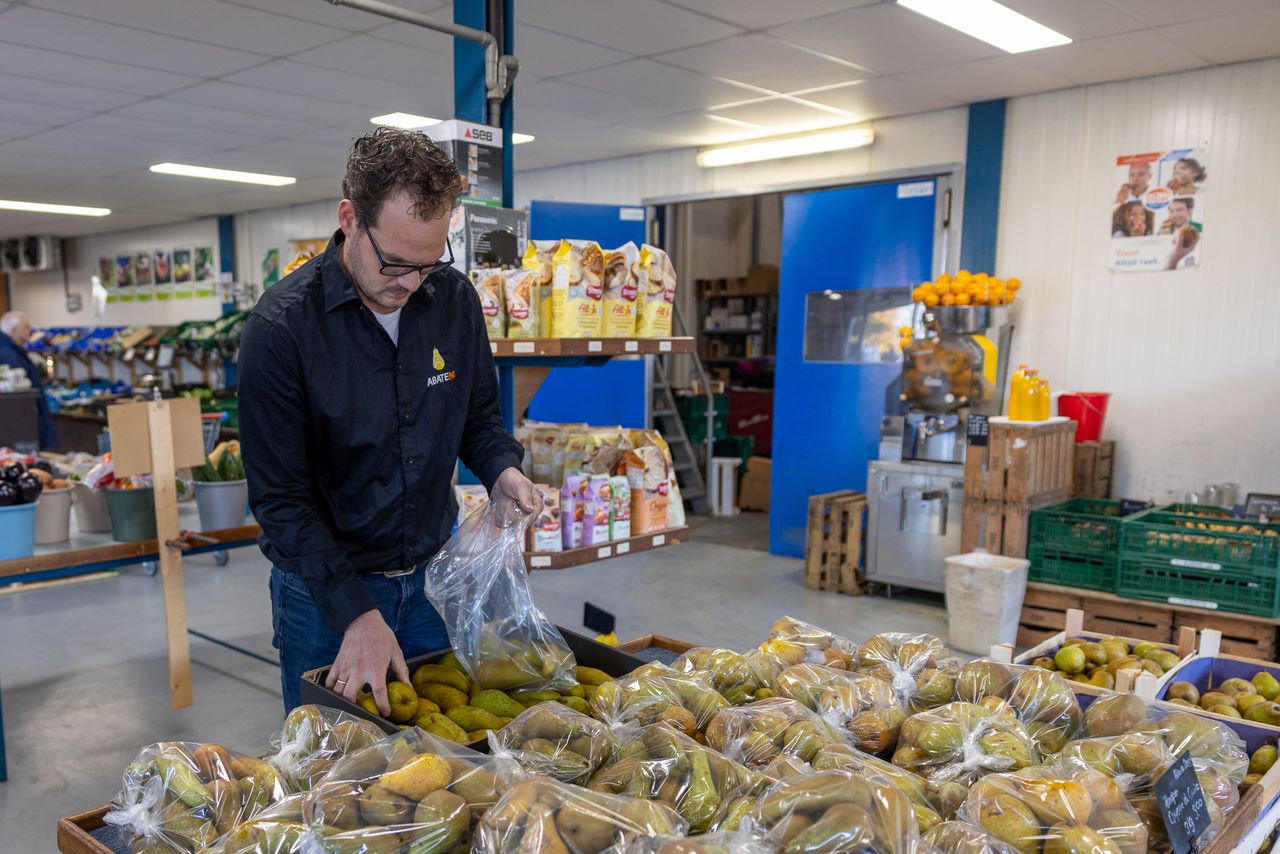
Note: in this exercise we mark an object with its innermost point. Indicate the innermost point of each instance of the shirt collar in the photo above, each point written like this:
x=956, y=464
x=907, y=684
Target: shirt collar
x=338, y=289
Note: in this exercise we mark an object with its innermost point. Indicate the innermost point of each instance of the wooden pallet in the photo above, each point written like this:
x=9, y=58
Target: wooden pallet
x=833, y=549
x=1242, y=637
x=1093, y=469
x=1000, y=527
x=1021, y=462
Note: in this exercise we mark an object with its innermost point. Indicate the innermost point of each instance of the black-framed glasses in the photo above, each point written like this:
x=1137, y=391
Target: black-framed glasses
x=423, y=270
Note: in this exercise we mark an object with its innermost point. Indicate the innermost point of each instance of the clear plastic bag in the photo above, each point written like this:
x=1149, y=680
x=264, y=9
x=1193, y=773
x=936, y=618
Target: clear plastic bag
x=956, y=837
x=964, y=741
x=545, y=816
x=279, y=829
x=552, y=739
x=661, y=764
x=757, y=734
x=864, y=706
x=1064, y=810
x=479, y=584
x=740, y=677
x=838, y=811
x=655, y=692
x=1041, y=699
x=312, y=739
x=180, y=796
x=746, y=839
x=793, y=641
x=933, y=800
x=920, y=669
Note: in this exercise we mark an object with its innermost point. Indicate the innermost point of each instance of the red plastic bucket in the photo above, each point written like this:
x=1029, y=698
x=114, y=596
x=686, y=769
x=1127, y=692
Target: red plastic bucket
x=1088, y=409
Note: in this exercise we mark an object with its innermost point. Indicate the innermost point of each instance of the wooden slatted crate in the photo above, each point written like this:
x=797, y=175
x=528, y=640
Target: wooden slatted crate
x=1044, y=613
x=1093, y=469
x=1000, y=527
x=1022, y=461
x=1240, y=636
x=833, y=549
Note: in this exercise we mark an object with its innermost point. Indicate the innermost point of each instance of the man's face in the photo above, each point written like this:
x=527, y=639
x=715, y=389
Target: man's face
x=1135, y=219
x=1139, y=174
x=1178, y=214
x=403, y=239
x=21, y=333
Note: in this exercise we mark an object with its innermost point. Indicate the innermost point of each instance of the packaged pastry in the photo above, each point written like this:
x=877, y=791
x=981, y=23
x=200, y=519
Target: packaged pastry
x=620, y=521
x=598, y=508
x=545, y=533
x=576, y=289
x=573, y=505
x=489, y=287
x=522, y=305
x=471, y=497
x=647, y=473
x=538, y=255
x=655, y=294
x=621, y=283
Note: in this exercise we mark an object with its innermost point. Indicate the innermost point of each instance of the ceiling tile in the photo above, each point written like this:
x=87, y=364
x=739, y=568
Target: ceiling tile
x=199, y=116
x=262, y=102
x=54, y=94
x=374, y=96
x=44, y=114
x=177, y=134
x=543, y=53
x=288, y=157
x=656, y=82
x=758, y=14
x=1232, y=38
x=411, y=35
x=82, y=154
x=12, y=129
x=696, y=128
x=354, y=20
x=617, y=25
x=777, y=115
x=154, y=150
x=1159, y=12
x=766, y=62
x=887, y=39
x=65, y=68
x=554, y=96
x=883, y=96
x=1079, y=19
x=998, y=77
x=383, y=60
x=1122, y=57
x=25, y=25
x=217, y=23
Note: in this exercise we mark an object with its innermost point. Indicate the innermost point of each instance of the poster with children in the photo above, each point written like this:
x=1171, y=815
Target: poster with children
x=1157, y=212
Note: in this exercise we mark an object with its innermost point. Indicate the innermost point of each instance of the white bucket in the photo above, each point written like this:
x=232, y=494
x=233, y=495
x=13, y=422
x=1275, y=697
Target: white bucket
x=723, y=496
x=984, y=600
x=91, y=510
x=222, y=504
x=53, y=516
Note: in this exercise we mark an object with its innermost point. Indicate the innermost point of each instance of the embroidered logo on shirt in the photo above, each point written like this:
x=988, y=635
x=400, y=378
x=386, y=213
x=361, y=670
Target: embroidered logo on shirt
x=437, y=361
x=447, y=376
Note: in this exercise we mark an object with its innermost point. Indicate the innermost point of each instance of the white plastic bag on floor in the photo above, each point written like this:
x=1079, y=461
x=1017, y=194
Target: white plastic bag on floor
x=479, y=584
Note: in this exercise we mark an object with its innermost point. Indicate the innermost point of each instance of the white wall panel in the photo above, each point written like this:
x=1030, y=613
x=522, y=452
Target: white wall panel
x=277, y=228
x=1190, y=357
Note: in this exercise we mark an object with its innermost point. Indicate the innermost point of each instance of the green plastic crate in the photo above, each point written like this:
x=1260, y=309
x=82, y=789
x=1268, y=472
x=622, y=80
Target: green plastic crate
x=1234, y=589
x=1090, y=524
x=1072, y=569
x=1209, y=511
x=1172, y=537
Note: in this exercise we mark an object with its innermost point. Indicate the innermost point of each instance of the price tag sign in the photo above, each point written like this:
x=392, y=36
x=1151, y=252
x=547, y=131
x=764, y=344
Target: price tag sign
x=1182, y=805
x=979, y=430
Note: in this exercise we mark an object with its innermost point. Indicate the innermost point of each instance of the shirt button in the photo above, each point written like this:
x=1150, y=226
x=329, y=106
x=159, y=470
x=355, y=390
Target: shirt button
x=410, y=461
x=405, y=413
x=413, y=505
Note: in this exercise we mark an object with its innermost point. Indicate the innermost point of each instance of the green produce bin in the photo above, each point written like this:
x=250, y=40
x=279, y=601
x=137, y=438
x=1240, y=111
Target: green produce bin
x=1086, y=570
x=693, y=412
x=1081, y=524
x=1241, y=590
x=1211, y=542
x=739, y=447
x=133, y=514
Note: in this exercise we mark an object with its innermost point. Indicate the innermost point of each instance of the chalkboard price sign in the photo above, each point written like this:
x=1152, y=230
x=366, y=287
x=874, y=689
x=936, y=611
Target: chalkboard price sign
x=979, y=430
x=1182, y=805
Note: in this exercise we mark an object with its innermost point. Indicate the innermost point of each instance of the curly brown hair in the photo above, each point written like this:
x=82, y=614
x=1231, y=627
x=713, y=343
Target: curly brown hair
x=388, y=161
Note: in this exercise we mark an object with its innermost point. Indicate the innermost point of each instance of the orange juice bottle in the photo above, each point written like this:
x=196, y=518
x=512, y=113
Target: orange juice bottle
x=1017, y=393
x=1042, y=401
x=1029, y=410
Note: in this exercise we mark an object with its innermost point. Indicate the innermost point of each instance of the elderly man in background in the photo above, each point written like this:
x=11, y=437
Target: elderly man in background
x=15, y=332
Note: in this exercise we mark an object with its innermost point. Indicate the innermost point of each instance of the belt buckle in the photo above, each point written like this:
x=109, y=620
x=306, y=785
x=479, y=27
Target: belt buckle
x=396, y=573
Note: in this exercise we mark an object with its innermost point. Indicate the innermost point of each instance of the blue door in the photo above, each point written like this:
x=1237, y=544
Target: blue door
x=826, y=423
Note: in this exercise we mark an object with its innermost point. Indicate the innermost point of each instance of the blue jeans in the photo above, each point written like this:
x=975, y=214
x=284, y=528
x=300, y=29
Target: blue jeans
x=306, y=642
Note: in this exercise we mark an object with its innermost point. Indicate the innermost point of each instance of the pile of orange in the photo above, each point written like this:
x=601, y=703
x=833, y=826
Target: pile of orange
x=966, y=288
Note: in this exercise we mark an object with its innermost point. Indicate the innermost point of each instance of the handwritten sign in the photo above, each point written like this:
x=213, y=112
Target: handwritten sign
x=1182, y=805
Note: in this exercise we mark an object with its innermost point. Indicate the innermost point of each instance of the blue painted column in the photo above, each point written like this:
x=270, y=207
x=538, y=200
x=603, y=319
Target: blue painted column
x=507, y=47
x=984, y=159
x=468, y=64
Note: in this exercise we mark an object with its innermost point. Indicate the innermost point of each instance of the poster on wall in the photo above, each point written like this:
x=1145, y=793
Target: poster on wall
x=204, y=275
x=182, y=274
x=270, y=268
x=1157, y=213
x=162, y=265
x=107, y=276
x=144, y=289
x=124, y=277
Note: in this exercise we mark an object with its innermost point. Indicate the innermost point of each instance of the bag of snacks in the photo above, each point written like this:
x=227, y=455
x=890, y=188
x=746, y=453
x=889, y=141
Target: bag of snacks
x=620, y=517
x=597, y=511
x=539, y=257
x=655, y=293
x=522, y=305
x=550, y=738
x=621, y=284
x=546, y=534
x=573, y=509
x=577, y=287
x=491, y=289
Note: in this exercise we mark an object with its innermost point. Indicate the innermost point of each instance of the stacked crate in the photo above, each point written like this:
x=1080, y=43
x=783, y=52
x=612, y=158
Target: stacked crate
x=833, y=548
x=1095, y=464
x=1076, y=544
x=1025, y=465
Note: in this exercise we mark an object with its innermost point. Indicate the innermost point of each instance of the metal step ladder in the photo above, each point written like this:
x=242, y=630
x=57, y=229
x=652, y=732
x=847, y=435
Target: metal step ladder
x=693, y=482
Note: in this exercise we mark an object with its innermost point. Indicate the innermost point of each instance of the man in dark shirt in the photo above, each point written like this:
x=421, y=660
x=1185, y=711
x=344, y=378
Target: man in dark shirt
x=15, y=332
x=364, y=375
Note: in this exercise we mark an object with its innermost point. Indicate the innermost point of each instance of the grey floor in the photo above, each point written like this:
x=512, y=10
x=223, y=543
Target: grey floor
x=84, y=674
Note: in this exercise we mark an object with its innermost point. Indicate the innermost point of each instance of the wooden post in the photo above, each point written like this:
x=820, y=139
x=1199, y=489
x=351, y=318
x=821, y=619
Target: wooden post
x=163, y=473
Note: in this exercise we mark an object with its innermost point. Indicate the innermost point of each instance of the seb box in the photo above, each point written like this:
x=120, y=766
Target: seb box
x=477, y=149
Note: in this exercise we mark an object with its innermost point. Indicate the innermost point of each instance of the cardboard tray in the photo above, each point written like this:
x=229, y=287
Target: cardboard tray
x=1212, y=667
x=587, y=651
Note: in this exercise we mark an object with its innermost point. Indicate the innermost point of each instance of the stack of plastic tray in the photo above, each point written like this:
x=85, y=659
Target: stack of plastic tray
x=1076, y=544
x=1201, y=561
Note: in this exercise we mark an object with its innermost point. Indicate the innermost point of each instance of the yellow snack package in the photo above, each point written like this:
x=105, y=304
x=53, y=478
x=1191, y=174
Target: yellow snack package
x=522, y=303
x=538, y=256
x=655, y=294
x=576, y=289
x=489, y=287
x=621, y=284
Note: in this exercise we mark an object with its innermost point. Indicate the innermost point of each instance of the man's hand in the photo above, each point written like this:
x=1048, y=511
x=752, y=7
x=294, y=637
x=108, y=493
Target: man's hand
x=368, y=650
x=514, y=497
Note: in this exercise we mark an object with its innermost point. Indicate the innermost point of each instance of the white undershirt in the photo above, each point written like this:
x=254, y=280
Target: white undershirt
x=391, y=323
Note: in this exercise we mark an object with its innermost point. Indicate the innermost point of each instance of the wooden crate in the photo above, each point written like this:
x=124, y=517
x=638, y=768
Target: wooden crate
x=1044, y=613
x=75, y=832
x=833, y=549
x=1021, y=462
x=1000, y=527
x=1243, y=637
x=643, y=642
x=1093, y=469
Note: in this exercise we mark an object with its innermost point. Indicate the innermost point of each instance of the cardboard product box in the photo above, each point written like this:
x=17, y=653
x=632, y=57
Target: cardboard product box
x=477, y=151
x=621, y=520
x=544, y=534
x=753, y=492
x=597, y=511
x=573, y=506
x=483, y=236
x=762, y=279
x=650, y=488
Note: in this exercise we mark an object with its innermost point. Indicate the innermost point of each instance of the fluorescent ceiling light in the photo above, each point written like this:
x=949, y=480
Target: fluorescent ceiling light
x=407, y=121
x=522, y=138
x=791, y=146
x=41, y=207
x=989, y=21
x=223, y=174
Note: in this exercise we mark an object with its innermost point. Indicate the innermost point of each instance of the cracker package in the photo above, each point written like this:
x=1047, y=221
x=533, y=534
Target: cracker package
x=522, y=305
x=655, y=294
x=620, y=522
x=538, y=255
x=621, y=283
x=470, y=498
x=573, y=505
x=577, y=286
x=545, y=535
x=489, y=287
x=597, y=510
x=647, y=474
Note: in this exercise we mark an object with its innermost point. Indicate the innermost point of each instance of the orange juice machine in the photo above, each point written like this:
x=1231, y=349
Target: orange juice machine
x=949, y=371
